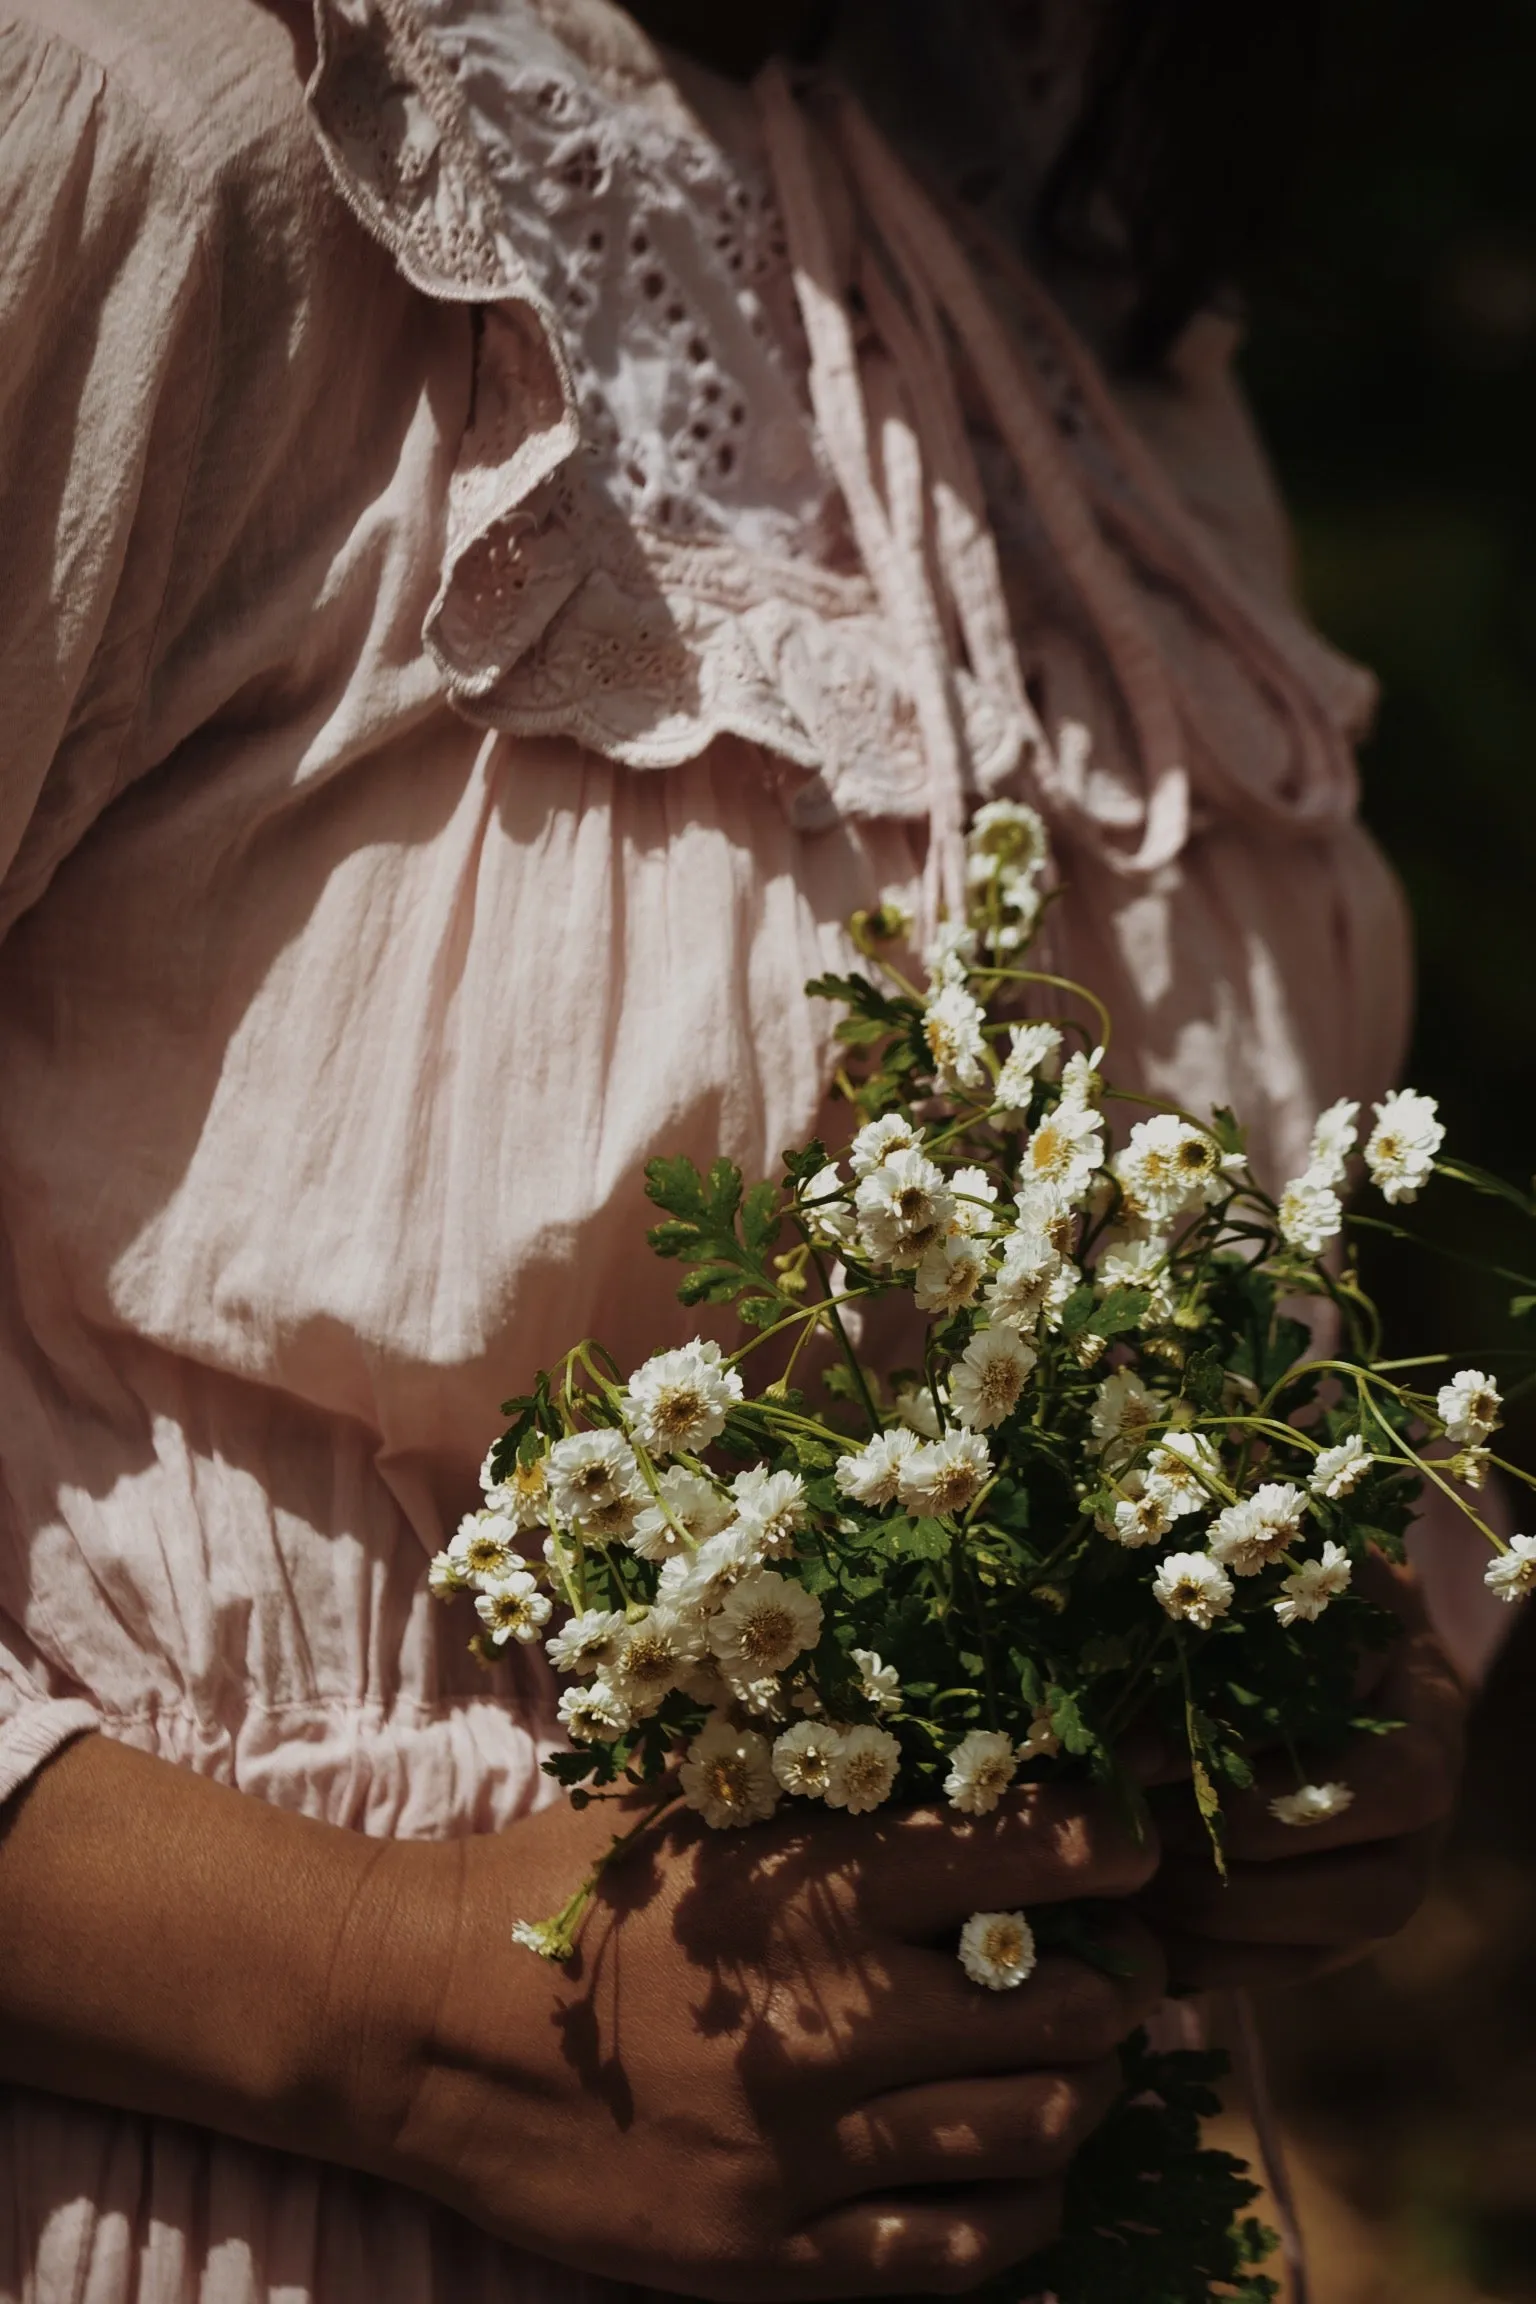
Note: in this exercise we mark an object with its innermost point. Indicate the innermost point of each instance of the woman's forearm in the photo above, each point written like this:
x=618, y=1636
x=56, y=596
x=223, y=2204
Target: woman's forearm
x=175, y=1947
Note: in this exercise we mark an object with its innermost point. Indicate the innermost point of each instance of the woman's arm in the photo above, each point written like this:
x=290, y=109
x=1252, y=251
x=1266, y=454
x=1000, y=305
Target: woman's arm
x=778, y=2014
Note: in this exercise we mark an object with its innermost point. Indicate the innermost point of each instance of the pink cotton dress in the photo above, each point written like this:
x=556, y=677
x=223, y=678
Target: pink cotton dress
x=500, y=563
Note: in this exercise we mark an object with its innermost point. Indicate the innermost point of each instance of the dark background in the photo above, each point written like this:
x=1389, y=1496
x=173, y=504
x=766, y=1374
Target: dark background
x=1392, y=362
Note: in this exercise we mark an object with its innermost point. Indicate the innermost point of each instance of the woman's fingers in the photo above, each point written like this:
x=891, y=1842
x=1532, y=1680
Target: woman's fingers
x=927, y=1870
x=1402, y=1782
x=1342, y=1896
x=944, y=2027
x=1024, y=2127
x=935, y=2244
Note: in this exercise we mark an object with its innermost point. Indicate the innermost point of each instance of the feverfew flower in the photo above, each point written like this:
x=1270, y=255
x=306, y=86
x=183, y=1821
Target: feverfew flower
x=913, y=1403
x=872, y=1474
x=1126, y=1261
x=522, y=1497
x=1333, y=1140
x=997, y=1949
x=904, y=1206
x=942, y=1477
x=975, y=1194
x=654, y=1655
x=1339, y=1471
x=1309, y=1588
x=875, y=1143
x=831, y=1216
x=1193, y=1589
x=1311, y=1214
x=679, y=1400
x=988, y=1377
x=772, y=1505
x=1143, y=1516
x=511, y=1608
x=952, y=1024
x=951, y=953
x=1123, y=1408
x=1513, y=1574
x=1184, y=1464
x=1060, y=1159
x=805, y=1756
x=1011, y=833
x=443, y=1576
x=586, y=1641
x=764, y=1623
x=950, y=1274
x=481, y=1550
x=728, y=1776
x=864, y=1771
x=1031, y=1284
x=1400, y=1150
x=593, y=1475
x=593, y=1715
x=981, y=1767
x=1033, y=1050
x=1468, y=1407
x=693, y=1581
x=693, y=1505
x=1167, y=1167
x=881, y=1685
x=1311, y=1804
x=1247, y=1536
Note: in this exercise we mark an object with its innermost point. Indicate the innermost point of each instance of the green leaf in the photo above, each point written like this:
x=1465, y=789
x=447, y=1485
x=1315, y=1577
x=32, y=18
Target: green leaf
x=676, y=1185
x=1493, y=1187
x=712, y=1284
x=1078, y=1311
x=759, y=1311
x=1067, y=1721
x=1226, y=1130
x=1204, y=1381
x=724, y=1192
x=760, y=1218
x=1122, y=1308
x=905, y=1539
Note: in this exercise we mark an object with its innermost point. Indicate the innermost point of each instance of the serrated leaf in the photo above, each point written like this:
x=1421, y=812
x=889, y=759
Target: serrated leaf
x=1122, y=1308
x=674, y=1183
x=916, y=1539
x=760, y=1215
x=1067, y=1721
x=711, y=1284
x=677, y=1237
x=724, y=1193
x=1078, y=1310
x=759, y=1311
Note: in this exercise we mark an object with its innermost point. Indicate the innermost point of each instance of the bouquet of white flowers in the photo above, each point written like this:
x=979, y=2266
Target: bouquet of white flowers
x=1115, y=1483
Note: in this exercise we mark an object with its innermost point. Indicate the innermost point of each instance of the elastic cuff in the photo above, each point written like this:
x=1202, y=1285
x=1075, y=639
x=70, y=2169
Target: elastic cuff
x=34, y=1736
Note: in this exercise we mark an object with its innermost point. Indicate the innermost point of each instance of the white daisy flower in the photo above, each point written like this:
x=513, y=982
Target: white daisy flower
x=832, y=1217
x=772, y=1505
x=875, y=1142
x=1060, y=1159
x=592, y=1474
x=691, y=1582
x=1513, y=1574
x=904, y=1206
x=1309, y=1588
x=1469, y=1465
x=1123, y=1409
x=522, y=1497
x=1193, y=1589
x=1311, y=1804
x=764, y=1623
x=981, y=1767
x=1247, y=1536
x=1339, y=1471
x=952, y=1023
x=678, y=1401
x=1127, y=1260
x=1011, y=832
x=482, y=1549
x=913, y=1403
x=880, y=1682
x=942, y=1477
x=872, y=1474
x=1144, y=1516
x=806, y=1756
x=585, y=1642
x=728, y=1776
x=1333, y=1140
x=950, y=1274
x=1167, y=1167
x=653, y=1655
x=443, y=1577
x=975, y=1196
x=997, y=1949
x=1032, y=1052
x=951, y=953
x=1185, y=1464
x=864, y=1771
x=1081, y=1081
x=1468, y=1407
x=511, y=1608
x=1311, y=1214
x=1031, y=1284
x=694, y=1506
x=593, y=1715
x=1400, y=1150
x=987, y=1379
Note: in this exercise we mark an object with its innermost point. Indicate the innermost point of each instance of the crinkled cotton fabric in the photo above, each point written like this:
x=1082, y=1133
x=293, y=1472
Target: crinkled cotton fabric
x=346, y=987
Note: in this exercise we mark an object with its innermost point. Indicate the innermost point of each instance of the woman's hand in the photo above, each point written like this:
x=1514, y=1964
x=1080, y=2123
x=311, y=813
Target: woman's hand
x=1301, y=1900
x=766, y=2075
